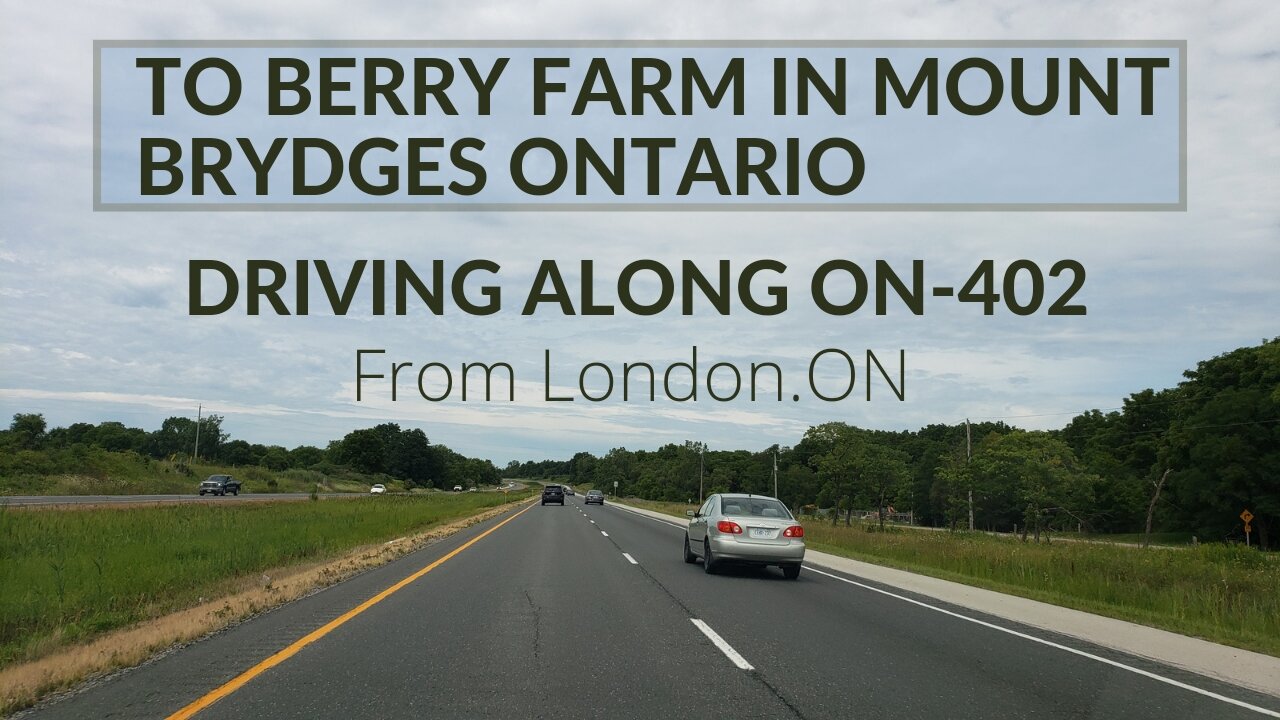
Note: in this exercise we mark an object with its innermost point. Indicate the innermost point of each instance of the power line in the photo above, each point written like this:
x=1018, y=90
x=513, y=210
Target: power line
x=1170, y=428
x=1153, y=403
x=1204, y=427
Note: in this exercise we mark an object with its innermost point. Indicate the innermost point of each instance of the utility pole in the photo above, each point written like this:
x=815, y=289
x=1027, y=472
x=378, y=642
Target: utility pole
x=195, y=454
x=701, y=497
x=775, y=473
x=968, y=455
x=1151, y=509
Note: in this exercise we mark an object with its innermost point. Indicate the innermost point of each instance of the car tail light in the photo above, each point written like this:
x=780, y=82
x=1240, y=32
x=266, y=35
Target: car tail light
x=793, y=531
x=729, y=526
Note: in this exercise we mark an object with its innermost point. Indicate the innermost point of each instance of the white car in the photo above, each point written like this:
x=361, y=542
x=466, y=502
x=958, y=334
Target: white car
x=457, y=488
x=378, y=489
x=747, y=529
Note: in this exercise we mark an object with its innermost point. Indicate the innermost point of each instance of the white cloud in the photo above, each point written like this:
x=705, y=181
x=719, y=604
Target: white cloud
x=93, y=307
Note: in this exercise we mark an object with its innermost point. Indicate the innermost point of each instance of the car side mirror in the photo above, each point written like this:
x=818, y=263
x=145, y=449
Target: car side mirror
x=691, y=513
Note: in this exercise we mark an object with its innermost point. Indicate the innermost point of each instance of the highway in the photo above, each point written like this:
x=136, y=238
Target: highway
x=590, y=612
x=40, y=500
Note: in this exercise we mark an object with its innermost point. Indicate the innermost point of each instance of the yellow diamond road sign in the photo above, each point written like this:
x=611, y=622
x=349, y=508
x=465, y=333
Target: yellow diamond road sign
x=1246, y=516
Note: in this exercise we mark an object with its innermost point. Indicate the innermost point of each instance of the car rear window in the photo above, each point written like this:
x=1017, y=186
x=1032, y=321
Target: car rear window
x=754, y=507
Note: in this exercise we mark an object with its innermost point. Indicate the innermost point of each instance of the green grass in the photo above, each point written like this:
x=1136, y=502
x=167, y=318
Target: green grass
x=90, y=471
x=1170, y=539
x=1226, y=594
x=256, y=479
x=68, y=575
x=670, y=508
x=94, y=471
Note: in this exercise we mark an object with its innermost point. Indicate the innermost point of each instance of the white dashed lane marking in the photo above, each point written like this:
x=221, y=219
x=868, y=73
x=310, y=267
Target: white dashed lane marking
x=719, y=642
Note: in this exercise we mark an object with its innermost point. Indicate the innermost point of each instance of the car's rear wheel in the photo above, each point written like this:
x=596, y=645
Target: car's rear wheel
x=791, y=572
x=201, y=493
x=235, y=492
x=708, y=562
x=689, y=557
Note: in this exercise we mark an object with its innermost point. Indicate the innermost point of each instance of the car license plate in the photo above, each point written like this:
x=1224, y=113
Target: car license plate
x=763, y=533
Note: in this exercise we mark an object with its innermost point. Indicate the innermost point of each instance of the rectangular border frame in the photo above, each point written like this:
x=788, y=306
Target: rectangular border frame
x=1179, y=206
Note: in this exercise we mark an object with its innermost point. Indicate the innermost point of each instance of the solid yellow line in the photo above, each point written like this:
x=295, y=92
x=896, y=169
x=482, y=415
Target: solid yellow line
x=243, y=678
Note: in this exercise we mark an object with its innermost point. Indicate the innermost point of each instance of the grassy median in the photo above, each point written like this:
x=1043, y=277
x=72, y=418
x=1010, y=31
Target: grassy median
x=115, y=473
x=1226, y=594
x=71, y=574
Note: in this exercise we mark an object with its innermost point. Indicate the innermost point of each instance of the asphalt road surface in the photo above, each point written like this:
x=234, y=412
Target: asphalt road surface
x=574, y=612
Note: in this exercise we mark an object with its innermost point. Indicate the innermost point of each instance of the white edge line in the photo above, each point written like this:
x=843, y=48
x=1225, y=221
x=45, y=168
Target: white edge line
x=630, y=559
x=1081, y=653
x=672, y=523
x=1050, y=643
x=719, y=642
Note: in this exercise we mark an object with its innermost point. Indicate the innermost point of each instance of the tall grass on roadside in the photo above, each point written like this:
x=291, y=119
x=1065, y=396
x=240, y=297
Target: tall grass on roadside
x=1224, y=593
x=67, y=575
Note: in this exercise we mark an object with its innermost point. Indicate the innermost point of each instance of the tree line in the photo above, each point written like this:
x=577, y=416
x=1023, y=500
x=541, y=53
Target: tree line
x=1187, y=459
x=30, y=447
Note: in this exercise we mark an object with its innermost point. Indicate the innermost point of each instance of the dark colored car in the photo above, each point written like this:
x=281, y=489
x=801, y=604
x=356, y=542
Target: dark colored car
x=594, y=496
x=553, y=494
x=220, y=485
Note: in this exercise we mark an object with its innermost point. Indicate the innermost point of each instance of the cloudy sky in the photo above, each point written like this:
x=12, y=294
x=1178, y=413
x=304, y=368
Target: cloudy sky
x=93, y=306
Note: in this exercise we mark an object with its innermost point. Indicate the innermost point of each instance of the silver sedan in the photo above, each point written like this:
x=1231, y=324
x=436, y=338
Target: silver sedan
x=746, y=529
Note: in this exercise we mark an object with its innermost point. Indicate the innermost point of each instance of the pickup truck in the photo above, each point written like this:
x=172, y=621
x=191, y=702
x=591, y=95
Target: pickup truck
x=220, y=485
